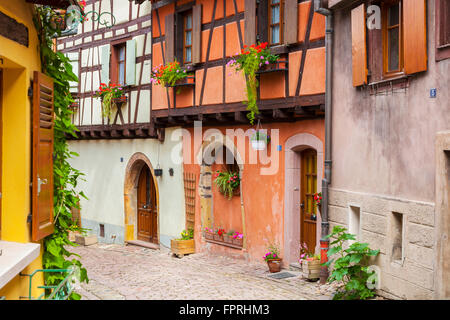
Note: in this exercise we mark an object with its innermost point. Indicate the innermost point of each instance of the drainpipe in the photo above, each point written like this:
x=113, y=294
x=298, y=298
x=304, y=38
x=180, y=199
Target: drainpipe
x=324, y=243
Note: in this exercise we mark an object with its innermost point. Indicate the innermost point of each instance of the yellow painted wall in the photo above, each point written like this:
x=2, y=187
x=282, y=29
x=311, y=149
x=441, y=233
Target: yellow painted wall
x=18, y=65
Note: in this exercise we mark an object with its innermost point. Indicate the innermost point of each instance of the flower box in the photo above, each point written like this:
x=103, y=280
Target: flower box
x=182, y=247
x=218, y=237
x=209, y=235
x=228, y=239
x=280, y=65
x=120, y=101
x=238, y=242
x=187, y=81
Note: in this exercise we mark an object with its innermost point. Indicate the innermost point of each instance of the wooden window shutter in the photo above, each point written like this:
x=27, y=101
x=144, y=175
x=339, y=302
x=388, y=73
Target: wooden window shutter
x=196, y=33
x=359, y=50
x=130, y=77
x=250, y=22
x=290, y=21
x=170, y=38
x=414, y=36
x=263, y=21
x=105, y=58
x=42, y=190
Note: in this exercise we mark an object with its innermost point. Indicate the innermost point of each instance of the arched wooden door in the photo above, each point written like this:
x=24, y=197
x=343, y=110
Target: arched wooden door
x=147, y=207
x=308, y=209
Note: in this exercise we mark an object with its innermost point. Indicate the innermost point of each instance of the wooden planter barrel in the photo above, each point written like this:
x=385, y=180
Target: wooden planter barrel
x=182, y=247
x=311, y=269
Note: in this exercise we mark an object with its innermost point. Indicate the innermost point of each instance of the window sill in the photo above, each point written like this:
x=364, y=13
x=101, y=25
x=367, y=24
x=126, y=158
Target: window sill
x=387, y=81
x=14, y=258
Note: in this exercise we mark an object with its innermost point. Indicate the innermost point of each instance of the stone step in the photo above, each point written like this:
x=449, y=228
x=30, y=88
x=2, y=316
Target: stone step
x=144, y=244
x=295, y=266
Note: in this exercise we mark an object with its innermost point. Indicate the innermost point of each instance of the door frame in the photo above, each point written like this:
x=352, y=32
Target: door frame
x=292, y=173
x=132, y=171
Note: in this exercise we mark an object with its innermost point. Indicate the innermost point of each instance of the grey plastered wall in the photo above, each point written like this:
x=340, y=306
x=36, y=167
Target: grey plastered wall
x=384, y=159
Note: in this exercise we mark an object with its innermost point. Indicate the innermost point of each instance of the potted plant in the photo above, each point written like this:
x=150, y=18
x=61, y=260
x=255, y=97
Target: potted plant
x=111, y=95
x=184, y=245
x=170, y=75
x=272, y=257
x=310, y=263
x=318, y=200
x=259, y=139
x=227, y=182
x=250, y=60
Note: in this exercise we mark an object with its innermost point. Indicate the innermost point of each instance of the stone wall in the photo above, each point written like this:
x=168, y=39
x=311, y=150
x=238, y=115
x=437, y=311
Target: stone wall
x=410, y=276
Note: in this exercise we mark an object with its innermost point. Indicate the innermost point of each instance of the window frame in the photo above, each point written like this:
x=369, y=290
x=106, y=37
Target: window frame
x=385, y=43
x=280, y=24
x=184, y=16
x=114, y=62
x=442, y=50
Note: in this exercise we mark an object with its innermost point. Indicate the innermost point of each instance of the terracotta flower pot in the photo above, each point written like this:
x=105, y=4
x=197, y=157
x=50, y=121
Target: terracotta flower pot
x=274, y=265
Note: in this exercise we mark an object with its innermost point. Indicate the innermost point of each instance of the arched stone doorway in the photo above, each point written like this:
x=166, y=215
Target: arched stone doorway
x=207, y=156
x=139, y=176
x=297, y=148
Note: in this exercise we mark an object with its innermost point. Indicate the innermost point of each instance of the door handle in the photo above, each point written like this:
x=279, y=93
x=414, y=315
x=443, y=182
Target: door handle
x=40, y=182
x=302, y=205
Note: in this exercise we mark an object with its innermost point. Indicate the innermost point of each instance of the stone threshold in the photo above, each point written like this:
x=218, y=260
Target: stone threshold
x=144, y=244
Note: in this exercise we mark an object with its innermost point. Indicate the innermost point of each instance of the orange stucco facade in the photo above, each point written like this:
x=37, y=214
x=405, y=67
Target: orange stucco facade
x=260, y=207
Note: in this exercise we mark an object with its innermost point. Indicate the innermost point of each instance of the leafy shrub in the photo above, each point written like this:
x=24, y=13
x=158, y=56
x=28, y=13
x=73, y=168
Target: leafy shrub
x=351, y=266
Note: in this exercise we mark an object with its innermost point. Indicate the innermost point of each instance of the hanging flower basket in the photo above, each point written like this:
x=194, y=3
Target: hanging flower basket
x=228, y=183
x=259, y=139
x=111, y=95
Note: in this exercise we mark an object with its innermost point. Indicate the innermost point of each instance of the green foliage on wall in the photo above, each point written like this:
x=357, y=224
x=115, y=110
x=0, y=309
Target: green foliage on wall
x=58, y=67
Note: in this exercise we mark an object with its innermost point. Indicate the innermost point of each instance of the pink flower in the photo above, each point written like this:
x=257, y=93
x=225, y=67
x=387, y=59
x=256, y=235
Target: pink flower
x=267, y=62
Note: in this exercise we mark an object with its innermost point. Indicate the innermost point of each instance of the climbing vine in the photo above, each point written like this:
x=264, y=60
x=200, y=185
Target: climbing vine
x=58, y=67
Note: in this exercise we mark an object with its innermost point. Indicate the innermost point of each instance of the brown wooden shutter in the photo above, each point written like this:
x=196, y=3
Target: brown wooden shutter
x=359, y=54
x=250, y=22
x=170, y=38
x=290, y=21
x=196, y=33
x=414, y=36
x=42, y=190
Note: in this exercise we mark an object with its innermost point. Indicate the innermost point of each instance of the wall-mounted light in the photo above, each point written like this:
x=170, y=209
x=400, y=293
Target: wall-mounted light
x=171, y=172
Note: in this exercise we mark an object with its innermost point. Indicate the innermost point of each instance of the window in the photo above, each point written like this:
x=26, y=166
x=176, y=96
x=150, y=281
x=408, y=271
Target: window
x=187, y=37
x=395, y=49
x=118, y=63
x=392, y=38
x=442, y=29
x=354, y=221
x=444, y=23
x=275, y=22
x=397, y=234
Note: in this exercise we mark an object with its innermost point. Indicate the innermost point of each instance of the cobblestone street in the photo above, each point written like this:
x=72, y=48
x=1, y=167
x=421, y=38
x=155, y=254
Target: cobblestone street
x=118, y=272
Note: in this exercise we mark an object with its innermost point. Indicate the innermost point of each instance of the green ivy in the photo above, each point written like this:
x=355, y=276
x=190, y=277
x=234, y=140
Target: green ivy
x=58, y=67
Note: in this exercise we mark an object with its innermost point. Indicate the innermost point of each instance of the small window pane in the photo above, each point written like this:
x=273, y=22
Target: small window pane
x=275, y=1
x=122, y=53
x=189, y=22
x=275, y=34
x=275, y=15
x=188, y=54
x=188, y=38
x=393, y=54
x=121, y=73
x=394, y=15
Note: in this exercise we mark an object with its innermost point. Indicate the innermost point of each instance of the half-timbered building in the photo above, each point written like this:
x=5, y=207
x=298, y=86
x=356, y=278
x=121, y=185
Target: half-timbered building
x=119, y=154
x=275, y=200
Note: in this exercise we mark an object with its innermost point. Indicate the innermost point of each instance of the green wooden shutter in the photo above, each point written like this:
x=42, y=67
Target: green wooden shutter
x=130, y=78
x=105, y=58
